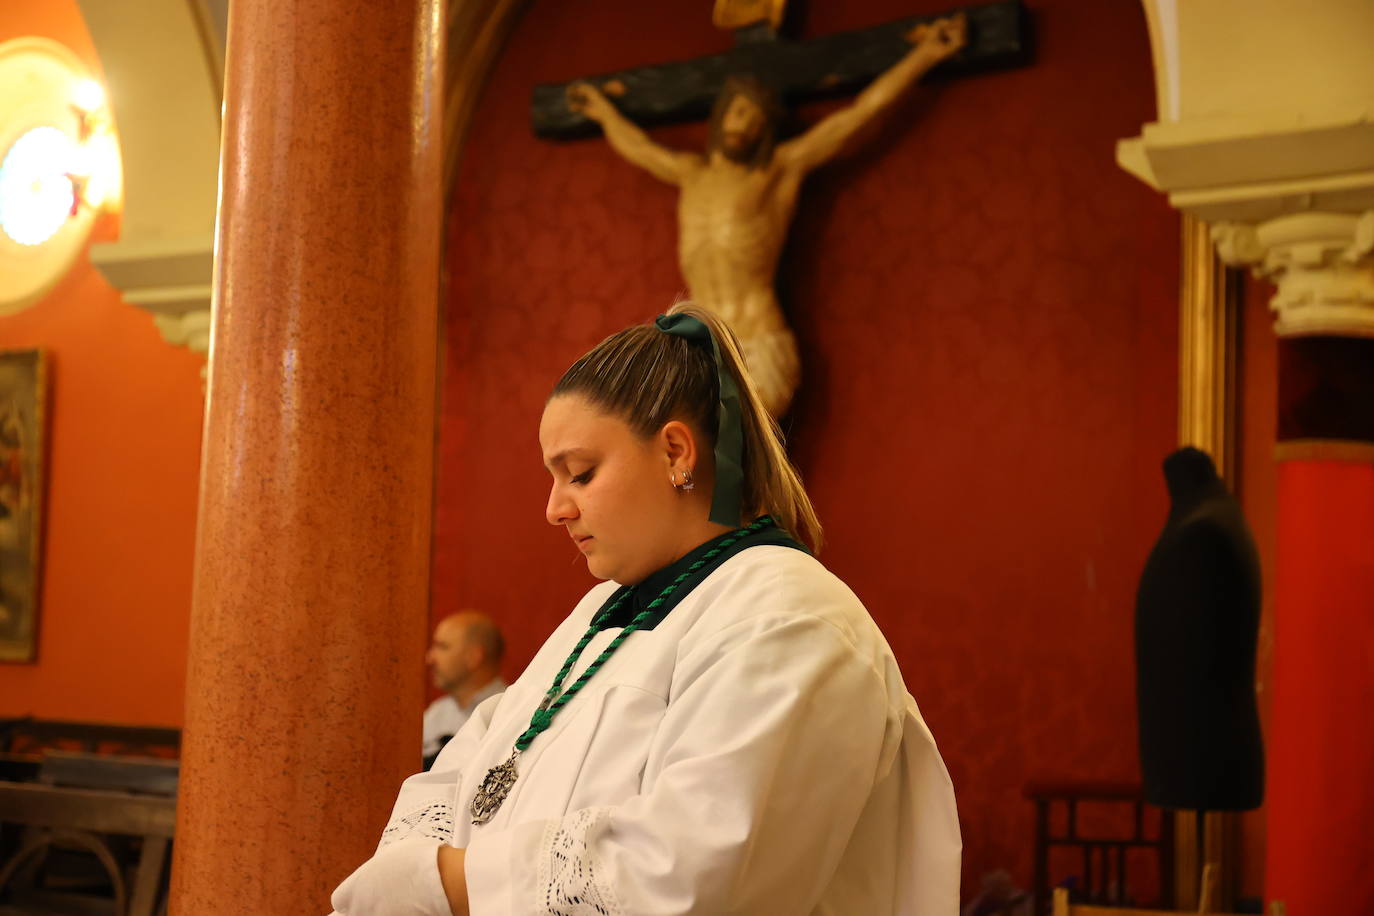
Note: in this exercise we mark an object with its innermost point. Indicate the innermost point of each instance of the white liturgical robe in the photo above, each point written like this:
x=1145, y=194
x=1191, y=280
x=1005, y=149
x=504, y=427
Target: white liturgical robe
x=754, y=753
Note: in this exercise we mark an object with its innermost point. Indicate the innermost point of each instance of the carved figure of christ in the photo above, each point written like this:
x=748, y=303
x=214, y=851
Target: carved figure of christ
x=737, y=198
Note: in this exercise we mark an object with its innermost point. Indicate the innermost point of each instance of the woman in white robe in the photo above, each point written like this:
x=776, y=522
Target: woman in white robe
x=749, y=747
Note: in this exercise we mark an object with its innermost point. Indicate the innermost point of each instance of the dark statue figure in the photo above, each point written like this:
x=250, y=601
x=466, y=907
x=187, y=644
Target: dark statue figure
x=1196, y=628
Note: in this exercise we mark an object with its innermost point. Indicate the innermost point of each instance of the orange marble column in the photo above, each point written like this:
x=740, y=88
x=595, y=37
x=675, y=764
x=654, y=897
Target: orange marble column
x=309, y=615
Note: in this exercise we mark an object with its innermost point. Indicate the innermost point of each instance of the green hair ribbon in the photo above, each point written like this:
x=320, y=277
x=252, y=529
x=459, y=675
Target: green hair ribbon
x=727, y=501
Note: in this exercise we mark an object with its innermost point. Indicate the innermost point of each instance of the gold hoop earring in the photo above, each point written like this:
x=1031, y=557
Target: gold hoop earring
x=687, y=482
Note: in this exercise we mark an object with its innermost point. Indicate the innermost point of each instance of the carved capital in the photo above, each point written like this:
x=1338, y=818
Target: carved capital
x=1237, y=244
x=1321, y=263
x=1363, y=244
x=188, y=329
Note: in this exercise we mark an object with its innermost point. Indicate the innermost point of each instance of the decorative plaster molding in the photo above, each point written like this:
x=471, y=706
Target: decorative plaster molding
x=1321, y=263
x=1271, y=141
x=164, y=259
x=1363, y=243
x=1237, y=243
x=1257, y=167
x=188, y=329
x=169, y=279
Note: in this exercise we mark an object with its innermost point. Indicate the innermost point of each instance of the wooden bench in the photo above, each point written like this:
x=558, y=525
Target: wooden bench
x=119, y=809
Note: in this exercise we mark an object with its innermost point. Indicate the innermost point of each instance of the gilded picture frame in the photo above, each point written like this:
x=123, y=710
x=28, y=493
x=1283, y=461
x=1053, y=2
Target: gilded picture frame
x=23, y=454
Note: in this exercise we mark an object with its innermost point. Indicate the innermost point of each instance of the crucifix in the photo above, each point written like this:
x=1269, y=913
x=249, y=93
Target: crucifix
x=737, y=198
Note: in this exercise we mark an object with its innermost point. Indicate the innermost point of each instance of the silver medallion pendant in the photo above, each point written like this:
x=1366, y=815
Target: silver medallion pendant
x=494, y=789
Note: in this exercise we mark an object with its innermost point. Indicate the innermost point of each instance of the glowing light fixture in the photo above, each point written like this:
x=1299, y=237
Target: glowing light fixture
x=88, y=95
x=37, y=194
x=59, y=165
x=47, y=175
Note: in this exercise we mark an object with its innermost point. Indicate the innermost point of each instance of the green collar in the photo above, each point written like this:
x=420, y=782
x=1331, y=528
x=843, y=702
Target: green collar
x=654, y=584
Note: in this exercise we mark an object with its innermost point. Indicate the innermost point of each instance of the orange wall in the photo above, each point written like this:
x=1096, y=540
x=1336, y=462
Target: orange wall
x=124, y=413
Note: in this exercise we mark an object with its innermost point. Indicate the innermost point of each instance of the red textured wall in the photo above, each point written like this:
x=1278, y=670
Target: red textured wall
x=123, y=462
x=1257, y=482
x=986, y=307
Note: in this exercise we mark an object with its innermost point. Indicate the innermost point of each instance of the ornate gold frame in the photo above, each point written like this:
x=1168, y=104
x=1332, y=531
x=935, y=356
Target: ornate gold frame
x=23, y=451
x=1210, y=302
x=1208, y=328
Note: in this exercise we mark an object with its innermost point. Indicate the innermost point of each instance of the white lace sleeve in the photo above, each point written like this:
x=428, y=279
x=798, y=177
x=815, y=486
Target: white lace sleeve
x=568, y=872
x=433, y=820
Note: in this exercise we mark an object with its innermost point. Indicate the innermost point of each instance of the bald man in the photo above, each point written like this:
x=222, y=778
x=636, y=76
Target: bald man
x=464, y=659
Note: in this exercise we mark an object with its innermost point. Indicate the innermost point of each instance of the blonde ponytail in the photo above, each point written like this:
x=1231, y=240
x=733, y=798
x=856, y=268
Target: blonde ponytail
x=648, y=377
x=772, y=485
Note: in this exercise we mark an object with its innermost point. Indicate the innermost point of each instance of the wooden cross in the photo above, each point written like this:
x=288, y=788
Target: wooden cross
x=999, y=38
x=737, y=197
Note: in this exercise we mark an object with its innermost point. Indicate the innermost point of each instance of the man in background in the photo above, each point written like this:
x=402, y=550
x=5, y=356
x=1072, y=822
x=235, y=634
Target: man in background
x=464, y=659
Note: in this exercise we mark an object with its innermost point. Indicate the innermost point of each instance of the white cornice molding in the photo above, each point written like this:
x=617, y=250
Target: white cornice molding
x=161, y=65
x=1268, y=135
x=1258, y=167
x=170, y=279
x=186, y=329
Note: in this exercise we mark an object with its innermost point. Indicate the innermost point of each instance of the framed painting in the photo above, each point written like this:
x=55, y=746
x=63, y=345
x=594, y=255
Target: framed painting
x=23, y=389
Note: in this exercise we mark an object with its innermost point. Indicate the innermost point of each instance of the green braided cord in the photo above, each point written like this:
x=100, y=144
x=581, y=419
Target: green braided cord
x=553, y=701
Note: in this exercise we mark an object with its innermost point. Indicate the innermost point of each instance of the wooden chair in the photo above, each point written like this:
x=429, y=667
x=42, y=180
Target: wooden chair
x=1103, y=875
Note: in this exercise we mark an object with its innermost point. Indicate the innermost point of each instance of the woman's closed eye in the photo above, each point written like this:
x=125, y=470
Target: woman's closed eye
x=584, y=477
